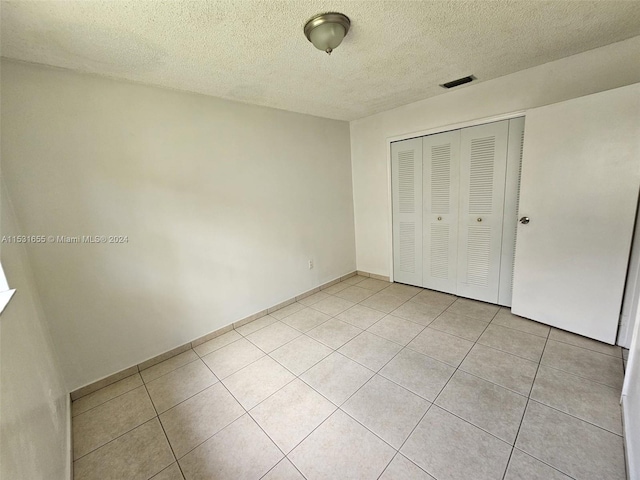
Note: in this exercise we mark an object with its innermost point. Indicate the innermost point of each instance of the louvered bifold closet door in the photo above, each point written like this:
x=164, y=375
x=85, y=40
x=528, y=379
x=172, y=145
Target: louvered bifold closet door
x=440, y=188
x=406, y=188
x=483, y=158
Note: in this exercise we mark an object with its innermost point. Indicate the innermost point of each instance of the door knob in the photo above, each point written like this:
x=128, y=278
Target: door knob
x=524, y=220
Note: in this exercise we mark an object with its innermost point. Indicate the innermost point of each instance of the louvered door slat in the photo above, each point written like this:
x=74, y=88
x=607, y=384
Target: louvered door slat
x=483, y=154
x=478, y=256
x=440, y=210
x=440, y=178
x=406, y=187
x=407, y=247
x=406, y=182
x=439, y=253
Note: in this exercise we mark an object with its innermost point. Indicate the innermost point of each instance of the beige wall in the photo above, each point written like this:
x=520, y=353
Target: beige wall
x=34, y=410
x=593, y=71
x=223, y=205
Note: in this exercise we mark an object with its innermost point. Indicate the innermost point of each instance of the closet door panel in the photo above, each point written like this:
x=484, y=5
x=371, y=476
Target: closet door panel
x=440, y=172
x=511, y=201
x=406, y=188
x=483, y=154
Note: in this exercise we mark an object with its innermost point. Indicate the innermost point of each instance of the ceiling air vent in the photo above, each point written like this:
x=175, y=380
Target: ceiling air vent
x=460, y=81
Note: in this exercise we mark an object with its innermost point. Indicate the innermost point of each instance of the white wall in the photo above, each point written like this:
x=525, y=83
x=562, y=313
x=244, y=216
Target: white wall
x=593, y=71
x=223, y=204
x=34, y=411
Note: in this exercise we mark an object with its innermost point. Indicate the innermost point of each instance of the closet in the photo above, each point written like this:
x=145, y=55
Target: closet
x=454, y=197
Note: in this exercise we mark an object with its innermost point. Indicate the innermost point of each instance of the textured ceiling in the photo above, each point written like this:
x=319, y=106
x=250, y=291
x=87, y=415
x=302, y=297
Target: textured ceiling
x=397, y=52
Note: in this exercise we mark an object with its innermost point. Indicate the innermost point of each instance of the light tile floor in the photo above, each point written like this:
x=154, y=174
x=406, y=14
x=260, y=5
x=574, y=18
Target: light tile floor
x=405, y=384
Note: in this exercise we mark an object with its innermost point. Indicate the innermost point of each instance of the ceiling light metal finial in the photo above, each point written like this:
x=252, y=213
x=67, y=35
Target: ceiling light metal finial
x=327, y=30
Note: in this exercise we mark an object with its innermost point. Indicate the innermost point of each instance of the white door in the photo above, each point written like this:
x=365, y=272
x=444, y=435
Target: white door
x=511, y=200
x=579, y=189
x=483, y=159
x=440, y=190
x=406, y=188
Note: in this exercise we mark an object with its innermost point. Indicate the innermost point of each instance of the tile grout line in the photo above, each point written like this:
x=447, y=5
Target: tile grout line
x=373, y=376
x=506, y=351
x=585, y=348
x=281, y=460
x=334, y=316
x=124, y=433
x=434, y=400
x=107, y=401
x=297, y=377
x=545, y=463
x=577, y=418
x=517, y=329
x=617, y=389
x=407, y=439
x=367, y=428
x=269, y=355
x=511, y=445
x=477, y=376
x=305, y=371
x=532, y=361
x=200, y=356
x=167, y=468
x=284, y=455
x=338, y=407
x=163, y=430
x=190, y=396
x=398, y=453
x=113, y=439
x=524, y=412
x=170, y=371
x=246, y=412
x=211, y=436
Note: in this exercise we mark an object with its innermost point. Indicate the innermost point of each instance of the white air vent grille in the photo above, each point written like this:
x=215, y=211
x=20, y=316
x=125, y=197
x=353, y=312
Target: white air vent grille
x=440, y=178
x=478, y=256
x=481, y=175
x=406, y=182
x=440, y=251
x=407, y=247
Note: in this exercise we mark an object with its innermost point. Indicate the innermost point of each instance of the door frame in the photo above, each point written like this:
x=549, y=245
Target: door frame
x=422, y=133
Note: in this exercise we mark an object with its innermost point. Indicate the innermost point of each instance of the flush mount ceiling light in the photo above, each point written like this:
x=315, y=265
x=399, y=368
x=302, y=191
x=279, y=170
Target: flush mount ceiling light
x=327, y=30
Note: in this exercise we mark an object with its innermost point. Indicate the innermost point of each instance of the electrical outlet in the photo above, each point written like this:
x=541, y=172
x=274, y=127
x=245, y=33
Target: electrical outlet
x=310, y=264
